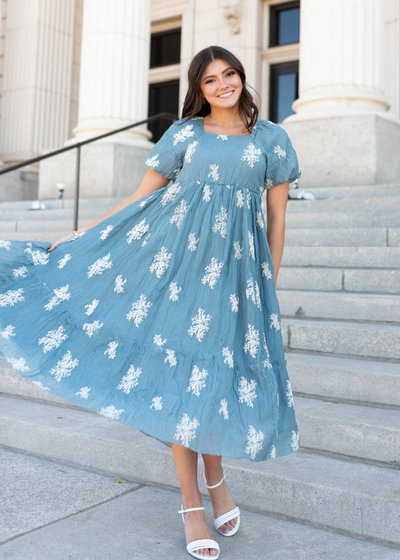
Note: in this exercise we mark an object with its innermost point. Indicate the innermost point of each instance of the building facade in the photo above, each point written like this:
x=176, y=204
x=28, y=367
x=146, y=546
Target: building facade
x=328, y=71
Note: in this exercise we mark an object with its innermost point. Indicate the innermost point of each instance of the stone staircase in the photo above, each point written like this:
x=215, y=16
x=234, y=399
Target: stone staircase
x=339, y=294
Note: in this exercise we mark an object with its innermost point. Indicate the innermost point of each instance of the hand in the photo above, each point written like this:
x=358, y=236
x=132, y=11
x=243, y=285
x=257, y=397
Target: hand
x=57, y=243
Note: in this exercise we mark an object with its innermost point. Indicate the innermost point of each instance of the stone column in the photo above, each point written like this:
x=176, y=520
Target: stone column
x=342, y=130
x=114, y=69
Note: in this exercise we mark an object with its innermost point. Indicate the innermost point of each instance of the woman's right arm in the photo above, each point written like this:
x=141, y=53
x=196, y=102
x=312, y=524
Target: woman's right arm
x=151, y=182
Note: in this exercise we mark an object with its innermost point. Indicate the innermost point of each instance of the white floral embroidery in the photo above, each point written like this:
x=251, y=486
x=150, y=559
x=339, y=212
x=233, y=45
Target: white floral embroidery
x=239, y=198
x=295, y=440
x=234, y=303
x=248, y=198
x=222, y=136
x=170, y=194
x=224, y=408
x=251, y=154
x=274, y=321
x=190, y=151
x=228, y=357
x=53, y=339
x=90, y=328
x=111, y=412
x=139, y=310
x=61, y=294
x=19, y=364
x=138, y=231
x=199, y=324
x=75, y=237
x=40, y=384
x=20, y=272
x=197, y=381
x=266, y=362
x=247, y=391
x=238, y=250
x=106, y=232
x=5, y=244
x=193, y=242
x=252, y=341
x=214, y=172
x=170, y=357
x=153, y=161
x=64, y=367
x=269, y=183
x=119, y=284
x=280, y=152
x=62, y=262
x=174, y=291
x=266, y=272
x=251, y=245
x=158, y=340
x=11, y=297
x=221, y=222
x=38, y=256
x=157, y=403
x=183, y=134
x=99, y=266
x=91, y=306
x=111, y=350
x=289, y=394
x=8, y=332
x=145, y=201
x=207, y=192
x=146, y=239
x=213, y=272
x=185, y=429
x=179, y=213
x=83, y=392
x=253, y=292
x=254, y=441
x=272, y=455
x=160, y=262
x=260, y=220
x=130, y=379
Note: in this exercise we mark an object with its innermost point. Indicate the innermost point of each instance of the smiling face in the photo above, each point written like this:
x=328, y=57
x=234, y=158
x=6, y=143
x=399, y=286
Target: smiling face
x=221, y=84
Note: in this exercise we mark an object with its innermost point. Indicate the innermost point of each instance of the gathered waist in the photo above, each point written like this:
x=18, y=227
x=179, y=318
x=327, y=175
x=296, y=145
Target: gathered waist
x=256, y=190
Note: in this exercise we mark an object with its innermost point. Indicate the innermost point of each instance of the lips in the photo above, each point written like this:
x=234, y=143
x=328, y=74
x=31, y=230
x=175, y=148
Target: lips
x=226, y=95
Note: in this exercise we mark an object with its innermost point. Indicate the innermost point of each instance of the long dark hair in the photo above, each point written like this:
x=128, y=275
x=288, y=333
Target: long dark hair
x=194, y=106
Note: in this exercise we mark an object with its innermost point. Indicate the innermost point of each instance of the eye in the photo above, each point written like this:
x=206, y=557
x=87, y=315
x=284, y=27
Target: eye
x=228, y=74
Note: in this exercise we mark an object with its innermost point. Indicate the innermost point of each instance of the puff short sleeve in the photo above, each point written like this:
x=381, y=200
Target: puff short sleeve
x=166, y=156
x=282, y=162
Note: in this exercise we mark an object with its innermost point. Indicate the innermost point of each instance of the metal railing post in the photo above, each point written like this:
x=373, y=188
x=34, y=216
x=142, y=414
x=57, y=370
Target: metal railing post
x=76, y=199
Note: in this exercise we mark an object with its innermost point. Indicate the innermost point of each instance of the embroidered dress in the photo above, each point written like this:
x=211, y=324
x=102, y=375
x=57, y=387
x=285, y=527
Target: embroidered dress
x=164, y=316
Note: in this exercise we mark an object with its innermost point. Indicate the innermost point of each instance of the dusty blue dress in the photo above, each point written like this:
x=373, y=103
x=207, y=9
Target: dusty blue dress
x=164, y=316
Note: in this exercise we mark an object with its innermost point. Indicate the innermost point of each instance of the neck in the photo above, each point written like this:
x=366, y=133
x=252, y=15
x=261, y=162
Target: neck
x=225, y=116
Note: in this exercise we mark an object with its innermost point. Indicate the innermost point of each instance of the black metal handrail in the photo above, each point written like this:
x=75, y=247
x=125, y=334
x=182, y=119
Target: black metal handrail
x=77, y=146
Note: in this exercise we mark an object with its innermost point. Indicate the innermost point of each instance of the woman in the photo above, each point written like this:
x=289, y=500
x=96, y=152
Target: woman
x=162, y=314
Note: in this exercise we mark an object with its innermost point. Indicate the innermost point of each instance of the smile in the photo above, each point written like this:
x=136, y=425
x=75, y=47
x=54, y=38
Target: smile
x=226, y=94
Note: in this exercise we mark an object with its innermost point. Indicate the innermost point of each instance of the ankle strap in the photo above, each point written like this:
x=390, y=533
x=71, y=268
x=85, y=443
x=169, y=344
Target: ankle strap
x=215, y=485
x=190, y=509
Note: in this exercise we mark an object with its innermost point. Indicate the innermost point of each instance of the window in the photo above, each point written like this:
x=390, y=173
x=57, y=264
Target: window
x=284, y=89
x=162, y=97
x=165, y=48
x=284, y=24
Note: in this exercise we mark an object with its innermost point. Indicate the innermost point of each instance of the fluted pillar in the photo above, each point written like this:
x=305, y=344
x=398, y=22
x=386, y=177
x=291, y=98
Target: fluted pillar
x=341, y=59
x=114, y=69
x=37, y=77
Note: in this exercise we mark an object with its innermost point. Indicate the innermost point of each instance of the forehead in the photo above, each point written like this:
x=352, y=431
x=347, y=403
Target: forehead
x=216, y=67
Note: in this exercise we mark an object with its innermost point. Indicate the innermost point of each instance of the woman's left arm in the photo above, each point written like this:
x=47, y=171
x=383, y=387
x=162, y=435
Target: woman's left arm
x=277, y=198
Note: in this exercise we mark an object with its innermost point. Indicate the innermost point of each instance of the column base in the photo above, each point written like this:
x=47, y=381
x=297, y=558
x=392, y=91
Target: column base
x=106, y=169
x=346, y=150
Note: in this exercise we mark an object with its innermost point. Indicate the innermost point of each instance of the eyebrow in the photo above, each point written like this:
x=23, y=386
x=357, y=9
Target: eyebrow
x=229, y=68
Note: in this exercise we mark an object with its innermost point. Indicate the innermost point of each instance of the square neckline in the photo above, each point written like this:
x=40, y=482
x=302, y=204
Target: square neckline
x=228, y=135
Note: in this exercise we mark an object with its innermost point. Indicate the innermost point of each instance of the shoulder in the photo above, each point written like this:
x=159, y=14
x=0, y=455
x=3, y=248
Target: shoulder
x=269, y=134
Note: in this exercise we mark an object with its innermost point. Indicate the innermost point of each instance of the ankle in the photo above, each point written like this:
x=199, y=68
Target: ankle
x=213, y=477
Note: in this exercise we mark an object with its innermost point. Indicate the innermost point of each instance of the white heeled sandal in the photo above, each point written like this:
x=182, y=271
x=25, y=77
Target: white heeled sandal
x=200, y=543
x=235, y=512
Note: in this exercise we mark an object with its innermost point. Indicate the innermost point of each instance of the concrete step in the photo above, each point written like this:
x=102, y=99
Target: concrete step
x=343, y=237
x=346, y=257
x=348, y=380
x=371, y=204
x=31, y=219
x=71, y=511
x=326, y=492
x=343, y=338
x=339, y=279
x=356, y=431
x=364, y=191
x=56, y=203
x=332, y=220
x=343, y=306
